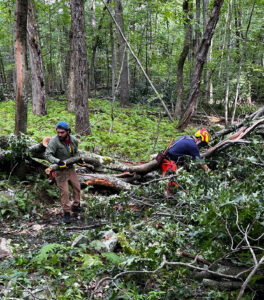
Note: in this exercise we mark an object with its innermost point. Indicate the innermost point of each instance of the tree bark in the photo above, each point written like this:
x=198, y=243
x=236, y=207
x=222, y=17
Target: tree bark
x=92, y=13
x=36, y=65
x=104, y=180
x=124, y=86
x=228, y=61
x=242, y=56
x=184, y=53
x=113, y=50
x=238, y=27
x=96, y=40
x=197, y=26
x=222, y=44
x=70, y=84
x=21, y=65
x=200, y=61
x=82, y=123
x=2, y=71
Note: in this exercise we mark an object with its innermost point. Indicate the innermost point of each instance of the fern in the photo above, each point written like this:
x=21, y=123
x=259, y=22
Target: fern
x=43, y=253
x=112, y=257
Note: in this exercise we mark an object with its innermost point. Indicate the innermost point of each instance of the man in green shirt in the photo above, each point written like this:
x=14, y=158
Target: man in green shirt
x=61, y=147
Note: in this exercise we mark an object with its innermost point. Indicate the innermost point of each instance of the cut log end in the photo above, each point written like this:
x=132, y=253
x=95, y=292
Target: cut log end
x=99, y=181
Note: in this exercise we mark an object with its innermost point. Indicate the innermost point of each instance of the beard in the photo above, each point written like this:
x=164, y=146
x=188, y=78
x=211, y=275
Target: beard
x=62, y=138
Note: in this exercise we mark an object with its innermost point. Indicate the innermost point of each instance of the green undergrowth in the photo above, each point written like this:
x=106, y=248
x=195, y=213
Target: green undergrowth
x=218, y=215
x=134, y=128
x=207, y=214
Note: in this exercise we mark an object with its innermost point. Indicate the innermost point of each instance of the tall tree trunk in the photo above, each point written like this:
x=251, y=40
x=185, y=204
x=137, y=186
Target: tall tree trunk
x=21, y=65
x=228, y=61
x=222, y=45
x=148, y=43
x=2, y=71
x=124, y=88
x=70, y=83
x=36, y=65
x=241, y=63
x=96, y=39
x=210, y=88
x=200, y=60
x=113, y=50
x=207, y=71
x=205, y=15
x=92, y=13
x=51, y=79
x=197, y=26
x=82, y=123
x=61, y=67
x=238, y=27
x=184, y=53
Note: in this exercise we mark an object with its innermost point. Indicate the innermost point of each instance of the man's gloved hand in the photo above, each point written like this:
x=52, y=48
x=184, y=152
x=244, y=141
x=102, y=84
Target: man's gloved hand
x=81, y=162
x=62, y=164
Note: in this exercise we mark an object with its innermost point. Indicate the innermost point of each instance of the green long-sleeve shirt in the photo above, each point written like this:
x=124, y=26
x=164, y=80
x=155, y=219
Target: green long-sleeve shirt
x=57, y=150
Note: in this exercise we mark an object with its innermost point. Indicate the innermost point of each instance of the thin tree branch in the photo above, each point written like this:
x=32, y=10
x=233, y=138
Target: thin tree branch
x=242, y=290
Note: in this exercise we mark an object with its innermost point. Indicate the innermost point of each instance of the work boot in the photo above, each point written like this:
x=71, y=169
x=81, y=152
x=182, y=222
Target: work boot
x=66, y=218
x=76, y=208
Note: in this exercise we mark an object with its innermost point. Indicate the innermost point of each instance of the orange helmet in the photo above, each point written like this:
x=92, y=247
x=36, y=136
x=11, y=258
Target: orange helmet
x=203, y=134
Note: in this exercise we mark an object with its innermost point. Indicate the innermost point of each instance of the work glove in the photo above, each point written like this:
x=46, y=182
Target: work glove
x=62, y=164
x=81, y=162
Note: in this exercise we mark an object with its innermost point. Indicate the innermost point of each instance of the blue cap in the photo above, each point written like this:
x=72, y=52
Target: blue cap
x=63, y=125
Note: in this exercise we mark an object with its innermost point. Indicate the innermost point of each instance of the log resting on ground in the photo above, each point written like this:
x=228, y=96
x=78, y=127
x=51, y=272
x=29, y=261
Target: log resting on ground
x=111, y=164
x=104, y=180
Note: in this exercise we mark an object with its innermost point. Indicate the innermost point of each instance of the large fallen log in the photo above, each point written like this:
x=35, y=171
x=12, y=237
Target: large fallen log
x=101, y=162
x=104, y=180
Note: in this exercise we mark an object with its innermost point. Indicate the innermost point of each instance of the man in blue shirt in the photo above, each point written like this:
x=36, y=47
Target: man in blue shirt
x=184, y=145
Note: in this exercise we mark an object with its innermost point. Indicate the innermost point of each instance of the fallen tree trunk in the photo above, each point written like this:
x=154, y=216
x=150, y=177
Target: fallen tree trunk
x=100, y=162
x=104, y=180
x=235, y=138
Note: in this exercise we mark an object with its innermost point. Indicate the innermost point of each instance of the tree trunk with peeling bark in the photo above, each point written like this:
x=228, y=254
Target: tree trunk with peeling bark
x=21, y=65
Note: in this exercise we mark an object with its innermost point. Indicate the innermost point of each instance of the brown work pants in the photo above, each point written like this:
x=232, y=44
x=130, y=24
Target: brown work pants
x=64, y=178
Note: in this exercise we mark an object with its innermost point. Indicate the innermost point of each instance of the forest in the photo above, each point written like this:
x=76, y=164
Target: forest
x=128, y=76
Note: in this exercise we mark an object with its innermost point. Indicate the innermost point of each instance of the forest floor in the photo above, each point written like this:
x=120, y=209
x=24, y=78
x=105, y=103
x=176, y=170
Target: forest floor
x=204, y=218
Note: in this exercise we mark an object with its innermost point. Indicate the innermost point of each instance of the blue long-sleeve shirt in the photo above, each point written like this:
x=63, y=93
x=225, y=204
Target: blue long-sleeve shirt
x=184, y=145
